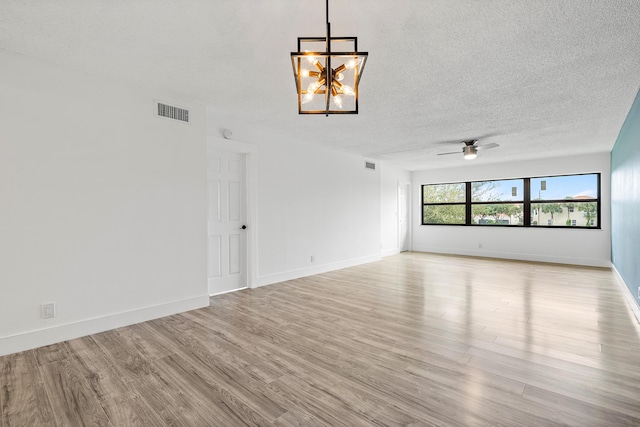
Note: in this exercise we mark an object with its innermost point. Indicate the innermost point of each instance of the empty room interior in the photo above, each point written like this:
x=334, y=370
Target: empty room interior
x=225, y=213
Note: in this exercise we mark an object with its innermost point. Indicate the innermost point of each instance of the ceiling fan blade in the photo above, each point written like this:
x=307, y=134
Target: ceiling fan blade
x=447, y=142
x=488, y=146
x=452, y=152
x=409, y=150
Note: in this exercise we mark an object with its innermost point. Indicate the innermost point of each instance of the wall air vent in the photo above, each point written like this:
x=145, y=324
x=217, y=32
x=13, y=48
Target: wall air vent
x=370, y=165
x=171, y=112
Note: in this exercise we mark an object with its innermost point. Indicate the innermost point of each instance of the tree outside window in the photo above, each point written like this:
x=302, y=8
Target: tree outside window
x=589, y=212
x=551, y=208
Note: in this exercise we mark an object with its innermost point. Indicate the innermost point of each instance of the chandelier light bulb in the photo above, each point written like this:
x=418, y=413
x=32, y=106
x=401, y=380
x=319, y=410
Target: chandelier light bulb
x=336, y=97
x=351, y=64
x=348, y=90
x=313, y=87
x=308, y=97
x=310, y=58
x=316, y=86
x=339, y=77
x=309, y=73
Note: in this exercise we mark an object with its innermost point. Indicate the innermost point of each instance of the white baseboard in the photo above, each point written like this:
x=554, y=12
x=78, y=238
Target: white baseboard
x=587, y=262
x=228, y=292
x=389, y=252
x=316, y=269
x=633, y=303
x=55, y=334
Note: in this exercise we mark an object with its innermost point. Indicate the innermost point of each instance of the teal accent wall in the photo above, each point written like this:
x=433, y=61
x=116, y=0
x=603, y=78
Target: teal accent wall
x=625, y=200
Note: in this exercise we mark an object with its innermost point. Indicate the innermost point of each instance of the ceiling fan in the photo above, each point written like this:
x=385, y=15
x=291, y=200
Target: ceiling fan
x=470, y=149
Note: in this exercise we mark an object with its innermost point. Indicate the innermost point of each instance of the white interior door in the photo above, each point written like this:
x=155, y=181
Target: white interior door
x=227, y=244
x=403, y=217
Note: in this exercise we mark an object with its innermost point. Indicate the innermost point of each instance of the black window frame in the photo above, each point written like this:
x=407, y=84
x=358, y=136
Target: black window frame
x=467, y=192
x=526, y=203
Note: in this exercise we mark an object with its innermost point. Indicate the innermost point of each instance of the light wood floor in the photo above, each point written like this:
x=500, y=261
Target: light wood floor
x=414, y=339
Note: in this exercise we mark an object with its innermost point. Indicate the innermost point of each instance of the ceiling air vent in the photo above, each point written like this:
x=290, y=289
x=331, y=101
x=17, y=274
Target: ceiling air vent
x=171, y=112
x=370, y=165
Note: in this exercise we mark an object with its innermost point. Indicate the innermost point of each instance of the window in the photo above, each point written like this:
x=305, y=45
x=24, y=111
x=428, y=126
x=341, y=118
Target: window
x=444, y=203
x=569, y=200
x=553, y=201
x=497, y=202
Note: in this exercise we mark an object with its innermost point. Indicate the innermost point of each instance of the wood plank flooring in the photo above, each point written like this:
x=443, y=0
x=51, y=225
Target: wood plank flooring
x=415, y=339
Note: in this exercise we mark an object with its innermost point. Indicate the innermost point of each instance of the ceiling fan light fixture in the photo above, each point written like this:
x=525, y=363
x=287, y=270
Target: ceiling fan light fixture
x=470, y=149
x=332, y=87
x=470, y=152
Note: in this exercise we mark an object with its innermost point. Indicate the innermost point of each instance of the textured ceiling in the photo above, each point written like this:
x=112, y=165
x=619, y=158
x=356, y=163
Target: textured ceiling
x=541, y=78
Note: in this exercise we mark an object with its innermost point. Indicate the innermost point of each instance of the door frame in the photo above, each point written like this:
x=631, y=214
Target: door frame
x=251, y=152
x=406, y=185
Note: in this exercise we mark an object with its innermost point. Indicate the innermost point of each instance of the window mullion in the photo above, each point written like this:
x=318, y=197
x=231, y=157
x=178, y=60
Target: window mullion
x=467, y=220
x=526, y=221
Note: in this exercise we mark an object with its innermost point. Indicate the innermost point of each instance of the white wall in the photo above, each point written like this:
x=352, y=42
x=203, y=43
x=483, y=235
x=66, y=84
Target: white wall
x=570, y=246
x=314, y=202
x=310, y=201
x=102, y=205
x=390, y=179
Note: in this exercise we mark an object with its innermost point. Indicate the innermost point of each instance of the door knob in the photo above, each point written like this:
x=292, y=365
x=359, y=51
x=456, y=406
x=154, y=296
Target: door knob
x=244, y=227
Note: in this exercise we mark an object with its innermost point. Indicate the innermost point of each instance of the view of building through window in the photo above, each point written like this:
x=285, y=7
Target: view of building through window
x=556, y=201
x=565, y=201
x=503, y=210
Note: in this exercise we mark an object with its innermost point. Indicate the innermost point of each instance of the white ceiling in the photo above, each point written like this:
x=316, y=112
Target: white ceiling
x=539, y=77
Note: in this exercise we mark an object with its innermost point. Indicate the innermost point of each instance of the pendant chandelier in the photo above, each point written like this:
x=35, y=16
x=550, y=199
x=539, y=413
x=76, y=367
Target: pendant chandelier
x=327, y=72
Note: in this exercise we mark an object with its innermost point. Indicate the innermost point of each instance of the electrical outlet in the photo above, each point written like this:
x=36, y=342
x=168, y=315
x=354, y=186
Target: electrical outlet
x=312, y=259
x=479, y=245
x=48, y=310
